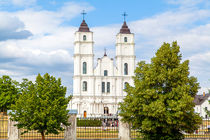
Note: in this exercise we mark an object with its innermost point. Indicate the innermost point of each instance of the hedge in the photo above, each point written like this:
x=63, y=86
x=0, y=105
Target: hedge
x=92, y=123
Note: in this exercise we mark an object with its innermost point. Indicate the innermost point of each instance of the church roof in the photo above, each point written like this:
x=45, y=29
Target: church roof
x=84, y=27
x=124, y=29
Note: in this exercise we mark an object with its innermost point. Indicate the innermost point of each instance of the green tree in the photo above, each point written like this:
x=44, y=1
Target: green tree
x=8, y=92
x=160, y=105
x=42, y=106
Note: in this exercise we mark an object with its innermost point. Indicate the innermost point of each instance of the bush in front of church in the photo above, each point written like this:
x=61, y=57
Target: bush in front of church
x=89, y=123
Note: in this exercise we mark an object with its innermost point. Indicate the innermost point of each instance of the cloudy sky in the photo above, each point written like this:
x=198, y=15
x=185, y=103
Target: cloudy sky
x=36, y=36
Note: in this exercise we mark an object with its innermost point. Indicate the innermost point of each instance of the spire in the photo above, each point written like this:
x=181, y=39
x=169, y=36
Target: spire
x=124, y=29
x=83, y=26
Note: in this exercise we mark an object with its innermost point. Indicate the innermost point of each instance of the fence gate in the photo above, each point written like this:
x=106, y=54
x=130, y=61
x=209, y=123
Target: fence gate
x=97, y=128
x=3, y=127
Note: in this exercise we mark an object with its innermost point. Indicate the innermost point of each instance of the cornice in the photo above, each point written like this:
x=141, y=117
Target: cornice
x=83, y=42
x=78, y=54
x=123, y=43
x=131, y=56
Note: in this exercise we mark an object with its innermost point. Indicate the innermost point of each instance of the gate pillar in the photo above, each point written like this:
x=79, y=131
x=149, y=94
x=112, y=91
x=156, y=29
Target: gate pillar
x=70, y=132
x=124, y=130
x=13, y=132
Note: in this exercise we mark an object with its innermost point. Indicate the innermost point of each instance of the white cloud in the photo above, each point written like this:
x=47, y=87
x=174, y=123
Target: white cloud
x=50, y=49
x=23, y=3
x=185, y=2
x=12, y=28
x=7, y=72
x=44, y=21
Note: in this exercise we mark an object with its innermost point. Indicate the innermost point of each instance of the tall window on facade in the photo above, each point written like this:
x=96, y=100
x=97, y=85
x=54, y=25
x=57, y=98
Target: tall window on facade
x=125, y=39
x=105, y=73
x=108, y=87
x=103, y=87
x=84, y=86
x=125, y=85
x=125, y=69
x=84, y=65
x=106, y=110
x=84, y=37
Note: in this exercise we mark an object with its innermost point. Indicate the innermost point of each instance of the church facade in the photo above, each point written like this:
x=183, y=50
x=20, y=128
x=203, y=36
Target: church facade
x=97, y=90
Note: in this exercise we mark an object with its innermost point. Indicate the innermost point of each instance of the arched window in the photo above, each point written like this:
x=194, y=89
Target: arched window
x=125, y=85
x=106, y=110
x=84, y=37
x=125, y=69
x=84, y=67
x=125, y=39
x=84, y=86
x=105, y=73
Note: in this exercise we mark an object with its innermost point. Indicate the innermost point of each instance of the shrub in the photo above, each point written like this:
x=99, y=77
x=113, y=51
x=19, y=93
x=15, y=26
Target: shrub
x=89, y=123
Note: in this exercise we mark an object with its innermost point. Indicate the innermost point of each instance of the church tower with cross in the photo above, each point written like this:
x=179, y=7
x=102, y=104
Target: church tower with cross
x=98, y=90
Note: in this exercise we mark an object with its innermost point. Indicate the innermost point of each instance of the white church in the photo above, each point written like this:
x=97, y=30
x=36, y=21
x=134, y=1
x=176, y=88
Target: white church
x=98, y=88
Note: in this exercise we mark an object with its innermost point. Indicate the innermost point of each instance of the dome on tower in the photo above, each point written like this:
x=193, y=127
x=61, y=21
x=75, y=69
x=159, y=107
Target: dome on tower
x=84, y=27
x=124, y=29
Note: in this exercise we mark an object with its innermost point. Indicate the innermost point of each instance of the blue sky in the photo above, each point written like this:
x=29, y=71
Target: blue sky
x=37, y=35
x=111, y=9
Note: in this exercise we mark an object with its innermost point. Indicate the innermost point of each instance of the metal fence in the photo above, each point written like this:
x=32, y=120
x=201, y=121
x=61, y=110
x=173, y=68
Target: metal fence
x=202, y=132
x=34, y=135
x=97, y=128
x=135, y=134
x=3, y=126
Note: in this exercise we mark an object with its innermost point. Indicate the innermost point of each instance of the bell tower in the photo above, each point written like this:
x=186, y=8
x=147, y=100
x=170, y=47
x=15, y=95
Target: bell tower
x=83, y=57
x=125, y=51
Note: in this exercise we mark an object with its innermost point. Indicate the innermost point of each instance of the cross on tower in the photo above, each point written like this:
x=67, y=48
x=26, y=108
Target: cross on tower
x=83, y=14
x=124, y=15
x=105, y=52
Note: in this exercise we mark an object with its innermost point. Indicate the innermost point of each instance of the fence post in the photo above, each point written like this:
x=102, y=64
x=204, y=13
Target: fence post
x=70, y=132
x=124, y=130
x=13, y=133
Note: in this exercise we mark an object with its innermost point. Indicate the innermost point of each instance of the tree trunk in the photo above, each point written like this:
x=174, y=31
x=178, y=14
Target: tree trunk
x=43, y=138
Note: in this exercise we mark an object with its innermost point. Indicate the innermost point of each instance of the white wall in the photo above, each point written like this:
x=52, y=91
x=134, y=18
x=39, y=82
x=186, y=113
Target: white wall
x=201, y=108
x=93, y=100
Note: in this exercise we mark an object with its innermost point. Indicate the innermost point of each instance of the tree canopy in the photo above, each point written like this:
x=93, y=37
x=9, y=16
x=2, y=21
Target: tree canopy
x=160, y=104
x=42, y=105
x=8, y=92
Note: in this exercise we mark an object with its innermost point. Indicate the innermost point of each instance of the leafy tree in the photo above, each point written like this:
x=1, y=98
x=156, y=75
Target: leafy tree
x=8, y=92
x=42, y=106
x=160, y=105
